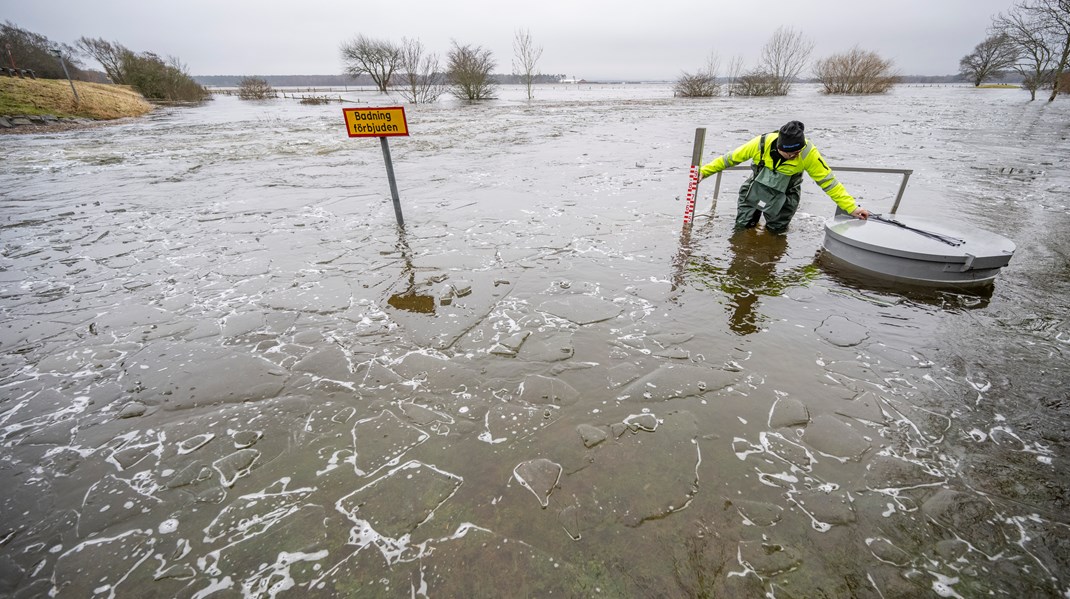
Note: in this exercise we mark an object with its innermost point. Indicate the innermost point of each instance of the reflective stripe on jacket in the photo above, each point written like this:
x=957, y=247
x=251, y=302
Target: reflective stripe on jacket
x=809, y=160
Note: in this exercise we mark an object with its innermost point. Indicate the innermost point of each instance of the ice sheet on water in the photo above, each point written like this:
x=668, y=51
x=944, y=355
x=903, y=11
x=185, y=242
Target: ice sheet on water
x=673, y=381
x=605, y=490
x=387, y=511
x=176, y=376
x=581, y=309
x=540, y=476
x=111, y=559
x=381, y=440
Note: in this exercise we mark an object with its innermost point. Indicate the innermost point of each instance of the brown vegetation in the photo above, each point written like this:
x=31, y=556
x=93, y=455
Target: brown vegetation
x=53, y=96
x=702, y=84
x=783, y=59
x=468, y=72
x=255, y=88
x=419, y=80
x=855, y=72
x=696, y=85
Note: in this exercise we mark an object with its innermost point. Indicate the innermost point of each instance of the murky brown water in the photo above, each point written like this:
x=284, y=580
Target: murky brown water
x=224, y=371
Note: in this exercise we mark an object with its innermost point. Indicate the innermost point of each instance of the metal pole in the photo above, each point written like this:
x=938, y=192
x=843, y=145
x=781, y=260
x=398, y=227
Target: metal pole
x=393, y=182
x=77, y=100
x=700, y=140
x=902, y=188
x=692, y=186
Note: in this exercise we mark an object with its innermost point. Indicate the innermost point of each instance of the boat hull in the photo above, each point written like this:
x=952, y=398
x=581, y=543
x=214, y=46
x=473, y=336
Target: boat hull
x=892, y=253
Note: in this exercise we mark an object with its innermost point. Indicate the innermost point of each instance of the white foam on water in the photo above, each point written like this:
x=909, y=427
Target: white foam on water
x=275, y=578
x=214, y=586
x=942, y=586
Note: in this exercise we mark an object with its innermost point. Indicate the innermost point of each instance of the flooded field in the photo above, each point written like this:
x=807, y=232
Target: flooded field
x=225, y=372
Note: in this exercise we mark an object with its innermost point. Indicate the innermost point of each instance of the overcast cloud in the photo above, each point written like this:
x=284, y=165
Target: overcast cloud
x=593, y=40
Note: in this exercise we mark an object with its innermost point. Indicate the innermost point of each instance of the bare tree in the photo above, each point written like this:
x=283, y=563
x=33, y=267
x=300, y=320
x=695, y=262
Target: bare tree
x=420, y=79
x=526, y=56
x=1026, y=31
x=783, y=57
x=702, y=84
x=735, y=71
x=378, y=58
x=255, y=88
x=855, y=72
x=1055, y=16
x=989, y=59
x=110, y=55
x=468, y=72
x=756, y=83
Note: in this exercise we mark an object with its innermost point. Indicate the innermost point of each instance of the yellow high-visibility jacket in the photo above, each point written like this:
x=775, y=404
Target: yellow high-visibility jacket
x=808, y=160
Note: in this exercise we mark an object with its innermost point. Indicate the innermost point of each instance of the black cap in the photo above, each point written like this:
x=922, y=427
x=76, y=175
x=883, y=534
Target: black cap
x=791, y=137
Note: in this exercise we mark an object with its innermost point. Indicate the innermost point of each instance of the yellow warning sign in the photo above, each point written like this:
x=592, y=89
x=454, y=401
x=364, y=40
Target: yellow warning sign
x=376, y=122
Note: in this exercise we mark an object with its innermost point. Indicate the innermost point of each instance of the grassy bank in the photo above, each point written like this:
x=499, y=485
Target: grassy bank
x=53, y=96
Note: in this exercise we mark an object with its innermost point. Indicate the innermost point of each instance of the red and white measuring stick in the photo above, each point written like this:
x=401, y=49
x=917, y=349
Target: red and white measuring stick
x=692, y=194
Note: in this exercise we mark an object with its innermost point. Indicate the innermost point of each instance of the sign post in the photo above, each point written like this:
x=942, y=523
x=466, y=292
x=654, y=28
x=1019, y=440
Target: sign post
x=684, y=254
x=692, y=181
x=381, y=123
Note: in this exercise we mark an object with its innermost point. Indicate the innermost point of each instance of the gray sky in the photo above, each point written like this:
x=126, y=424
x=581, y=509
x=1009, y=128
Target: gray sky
x=587, y=39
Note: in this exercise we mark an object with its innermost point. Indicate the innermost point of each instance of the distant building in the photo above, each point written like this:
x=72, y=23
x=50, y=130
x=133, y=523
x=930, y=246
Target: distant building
x=572, y=80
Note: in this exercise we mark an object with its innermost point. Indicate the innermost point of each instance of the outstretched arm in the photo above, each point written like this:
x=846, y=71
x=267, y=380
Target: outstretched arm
x=826, y=180
x=745, y=152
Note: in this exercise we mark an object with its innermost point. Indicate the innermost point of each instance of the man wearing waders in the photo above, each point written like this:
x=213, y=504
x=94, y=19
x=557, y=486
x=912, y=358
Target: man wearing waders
x=773, y=188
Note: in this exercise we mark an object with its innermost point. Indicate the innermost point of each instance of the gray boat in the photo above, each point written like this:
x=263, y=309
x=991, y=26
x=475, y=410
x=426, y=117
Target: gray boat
x=916, y=250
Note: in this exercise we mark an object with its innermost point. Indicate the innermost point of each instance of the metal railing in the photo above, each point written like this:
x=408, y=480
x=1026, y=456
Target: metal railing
x=849, y=169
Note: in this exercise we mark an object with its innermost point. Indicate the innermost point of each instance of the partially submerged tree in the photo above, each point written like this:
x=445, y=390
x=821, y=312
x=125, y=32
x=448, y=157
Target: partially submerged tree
x=735, y=72
x=526, y=56
x=1026, y=31
x=419, y=80
x=468, y=72
x=701, y=84
x=989, y=59
x=1055, y=15
x=755, y=83
x=255, y=88
x=378, y=58
x=784, y=56
x=855, y=72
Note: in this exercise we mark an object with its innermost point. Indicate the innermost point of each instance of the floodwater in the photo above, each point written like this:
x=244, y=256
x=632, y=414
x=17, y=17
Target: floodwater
x=225, y=372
